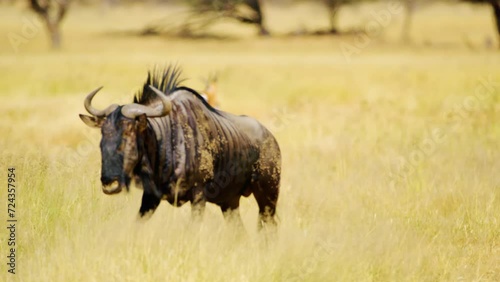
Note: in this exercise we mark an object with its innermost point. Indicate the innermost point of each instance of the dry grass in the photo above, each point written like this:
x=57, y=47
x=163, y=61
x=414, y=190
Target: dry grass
x=343, y=126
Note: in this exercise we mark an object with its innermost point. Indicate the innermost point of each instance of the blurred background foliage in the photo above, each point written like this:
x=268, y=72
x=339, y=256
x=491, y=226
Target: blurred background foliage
x=200, y=15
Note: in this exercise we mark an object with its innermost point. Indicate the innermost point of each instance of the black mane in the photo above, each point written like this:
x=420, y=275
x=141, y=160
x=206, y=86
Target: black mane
x=166, y=80
x=195, y=93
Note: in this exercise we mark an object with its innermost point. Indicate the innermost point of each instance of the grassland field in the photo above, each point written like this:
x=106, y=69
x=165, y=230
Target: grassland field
x=391, y=156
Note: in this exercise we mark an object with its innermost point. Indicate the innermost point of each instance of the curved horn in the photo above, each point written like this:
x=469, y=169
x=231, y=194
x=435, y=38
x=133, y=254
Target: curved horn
x=93, y=111
x=134, y=110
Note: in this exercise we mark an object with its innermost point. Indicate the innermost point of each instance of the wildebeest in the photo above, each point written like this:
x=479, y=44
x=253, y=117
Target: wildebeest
x=177, y=147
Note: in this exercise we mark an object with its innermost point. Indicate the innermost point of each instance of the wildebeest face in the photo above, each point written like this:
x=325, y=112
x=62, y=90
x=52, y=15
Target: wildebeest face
x=122, y=128
x=119, y=149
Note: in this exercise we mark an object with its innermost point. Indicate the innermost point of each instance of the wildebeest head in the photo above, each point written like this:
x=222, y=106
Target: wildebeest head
x=121, y=128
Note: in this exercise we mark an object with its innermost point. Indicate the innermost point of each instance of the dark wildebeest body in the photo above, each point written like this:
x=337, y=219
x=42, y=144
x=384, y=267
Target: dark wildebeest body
x=179, y=148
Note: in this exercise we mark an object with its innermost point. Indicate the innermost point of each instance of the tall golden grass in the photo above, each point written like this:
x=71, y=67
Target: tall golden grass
x=390, y=157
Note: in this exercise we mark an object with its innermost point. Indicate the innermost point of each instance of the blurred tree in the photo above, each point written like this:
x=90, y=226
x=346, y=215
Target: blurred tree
x=245, y=11
x=333, y=7
x=412, y=5
x=409, y=6
x=495, y=5
x=52, y=13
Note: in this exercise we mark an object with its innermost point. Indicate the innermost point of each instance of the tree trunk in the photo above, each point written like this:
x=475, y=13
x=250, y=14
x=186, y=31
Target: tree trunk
x=52, y=19
x=263, y=30
x=495, y=4
x=256, y=5
x=408, y=19
x=55, y=34
x=333, y=8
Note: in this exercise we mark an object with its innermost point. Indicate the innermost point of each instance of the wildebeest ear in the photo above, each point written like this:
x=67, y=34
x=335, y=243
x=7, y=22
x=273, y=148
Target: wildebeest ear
x=142, y=122
x=92, y=121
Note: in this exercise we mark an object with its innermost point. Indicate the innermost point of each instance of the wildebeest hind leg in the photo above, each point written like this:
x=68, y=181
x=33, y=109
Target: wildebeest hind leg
x=149, y=204
x=266, y=194
x=231, y=213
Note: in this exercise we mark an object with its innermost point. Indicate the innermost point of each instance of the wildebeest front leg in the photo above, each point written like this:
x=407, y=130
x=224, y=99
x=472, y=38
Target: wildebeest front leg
x=150, y=198
x=198, y=202
x=149, y=204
